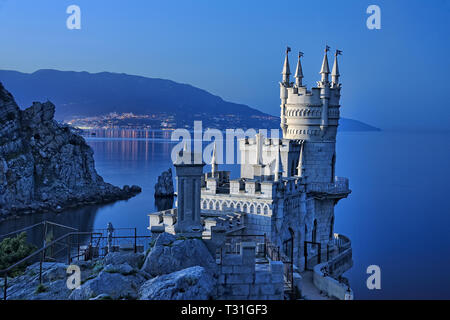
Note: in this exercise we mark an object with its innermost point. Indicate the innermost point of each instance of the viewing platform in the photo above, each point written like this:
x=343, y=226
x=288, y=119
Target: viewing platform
x=340, y=187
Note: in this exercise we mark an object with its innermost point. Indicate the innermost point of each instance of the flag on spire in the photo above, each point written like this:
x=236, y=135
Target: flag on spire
x=335, y=73
x=325, y=69
x=286, y=69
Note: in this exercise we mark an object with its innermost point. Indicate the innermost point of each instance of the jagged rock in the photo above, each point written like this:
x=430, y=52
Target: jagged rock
x=114, y=285
x=193, y=283
x=44, y=165
x=124, y=269
x=118, y=258
x=116, y=281
x=164, y=186
x=165, y=239
x=169, y=255
x=53, y=286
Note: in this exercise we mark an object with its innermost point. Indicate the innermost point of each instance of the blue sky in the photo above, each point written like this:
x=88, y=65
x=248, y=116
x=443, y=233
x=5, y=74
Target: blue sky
x=396, y=77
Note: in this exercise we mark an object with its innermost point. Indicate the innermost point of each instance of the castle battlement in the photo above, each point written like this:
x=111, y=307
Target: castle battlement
x=310, y=114
x=286, y=191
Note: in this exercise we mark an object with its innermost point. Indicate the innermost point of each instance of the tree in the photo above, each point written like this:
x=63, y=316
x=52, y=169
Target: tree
x=13, y=250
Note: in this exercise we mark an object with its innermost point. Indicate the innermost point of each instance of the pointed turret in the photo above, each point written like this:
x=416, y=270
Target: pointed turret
x=300, y=162
x=299, y=71
x=214, y=161
x=325, y=70
x=278, y=166
x=259, y=141
x=286, y=69
x=335, y=73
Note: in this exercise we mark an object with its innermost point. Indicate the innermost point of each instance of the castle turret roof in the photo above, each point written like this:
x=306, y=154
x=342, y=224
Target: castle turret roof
x=335, y=71
x=286, y=68
x=278, y=166
x=299, y=71
x=325, y=69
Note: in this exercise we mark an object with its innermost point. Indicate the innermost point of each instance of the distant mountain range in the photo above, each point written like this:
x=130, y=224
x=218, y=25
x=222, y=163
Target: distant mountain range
x=81, y=95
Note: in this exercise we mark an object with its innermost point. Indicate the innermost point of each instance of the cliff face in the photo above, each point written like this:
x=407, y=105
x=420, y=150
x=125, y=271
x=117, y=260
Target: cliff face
x=43, y=165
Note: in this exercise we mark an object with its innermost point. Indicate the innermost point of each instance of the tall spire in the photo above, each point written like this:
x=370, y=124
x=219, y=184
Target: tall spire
x=259, y=142
x=286, y=69
x=214, y=161
x=299, y=71
x=335, y=73
x=325, y=70
x=300, y=161
x=278, y=166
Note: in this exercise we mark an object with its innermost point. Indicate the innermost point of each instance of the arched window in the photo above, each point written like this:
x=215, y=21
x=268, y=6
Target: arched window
x=333, y=167
x=288, y=244
x=331, y=227
x=314, y=232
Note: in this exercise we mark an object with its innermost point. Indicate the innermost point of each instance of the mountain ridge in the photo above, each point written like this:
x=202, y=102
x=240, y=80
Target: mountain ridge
x=85, y=94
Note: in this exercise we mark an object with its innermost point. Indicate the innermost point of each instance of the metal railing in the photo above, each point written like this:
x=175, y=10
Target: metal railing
x=275, y=254
x=41, y=253
x=339, y=185
x=72, y=246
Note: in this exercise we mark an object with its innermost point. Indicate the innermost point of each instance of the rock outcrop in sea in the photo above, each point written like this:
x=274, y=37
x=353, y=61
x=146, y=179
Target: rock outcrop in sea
x=164, y=186
x=44, y=165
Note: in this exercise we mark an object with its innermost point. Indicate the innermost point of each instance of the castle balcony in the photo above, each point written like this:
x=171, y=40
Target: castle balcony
x=162, y=221
x=339, y=188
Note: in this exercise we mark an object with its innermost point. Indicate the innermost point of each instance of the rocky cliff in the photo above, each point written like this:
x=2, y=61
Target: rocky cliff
x=44, y=165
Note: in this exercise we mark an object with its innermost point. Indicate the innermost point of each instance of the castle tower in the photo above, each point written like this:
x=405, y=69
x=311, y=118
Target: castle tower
x=189, y=176
x=312, y=117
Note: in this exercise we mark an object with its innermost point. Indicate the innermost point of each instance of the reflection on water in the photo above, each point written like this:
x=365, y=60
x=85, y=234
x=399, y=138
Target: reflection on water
x=128, y=134
x=81, y=219
x=396, y=216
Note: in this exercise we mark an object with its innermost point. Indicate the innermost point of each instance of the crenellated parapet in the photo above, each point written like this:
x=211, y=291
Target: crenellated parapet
x=311, y=114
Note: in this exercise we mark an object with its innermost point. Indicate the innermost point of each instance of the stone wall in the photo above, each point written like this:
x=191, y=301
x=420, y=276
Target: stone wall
x=258, y=224
x=240, y=280
x=330, y=286
x=318, y=161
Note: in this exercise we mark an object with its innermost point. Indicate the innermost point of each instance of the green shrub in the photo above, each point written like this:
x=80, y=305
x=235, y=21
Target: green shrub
x=13, y=250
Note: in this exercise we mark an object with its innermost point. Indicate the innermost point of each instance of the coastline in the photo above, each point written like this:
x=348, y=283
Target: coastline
x=37, y=207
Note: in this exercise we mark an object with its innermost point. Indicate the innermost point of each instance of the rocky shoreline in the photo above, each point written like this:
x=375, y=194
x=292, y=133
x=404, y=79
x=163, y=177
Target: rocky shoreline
x=113, y=195
x=45, y=166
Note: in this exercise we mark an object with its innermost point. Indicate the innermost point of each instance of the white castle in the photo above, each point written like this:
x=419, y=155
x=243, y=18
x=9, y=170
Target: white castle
x=287, y=188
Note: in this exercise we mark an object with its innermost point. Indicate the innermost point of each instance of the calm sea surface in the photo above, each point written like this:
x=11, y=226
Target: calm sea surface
x=397, y=216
